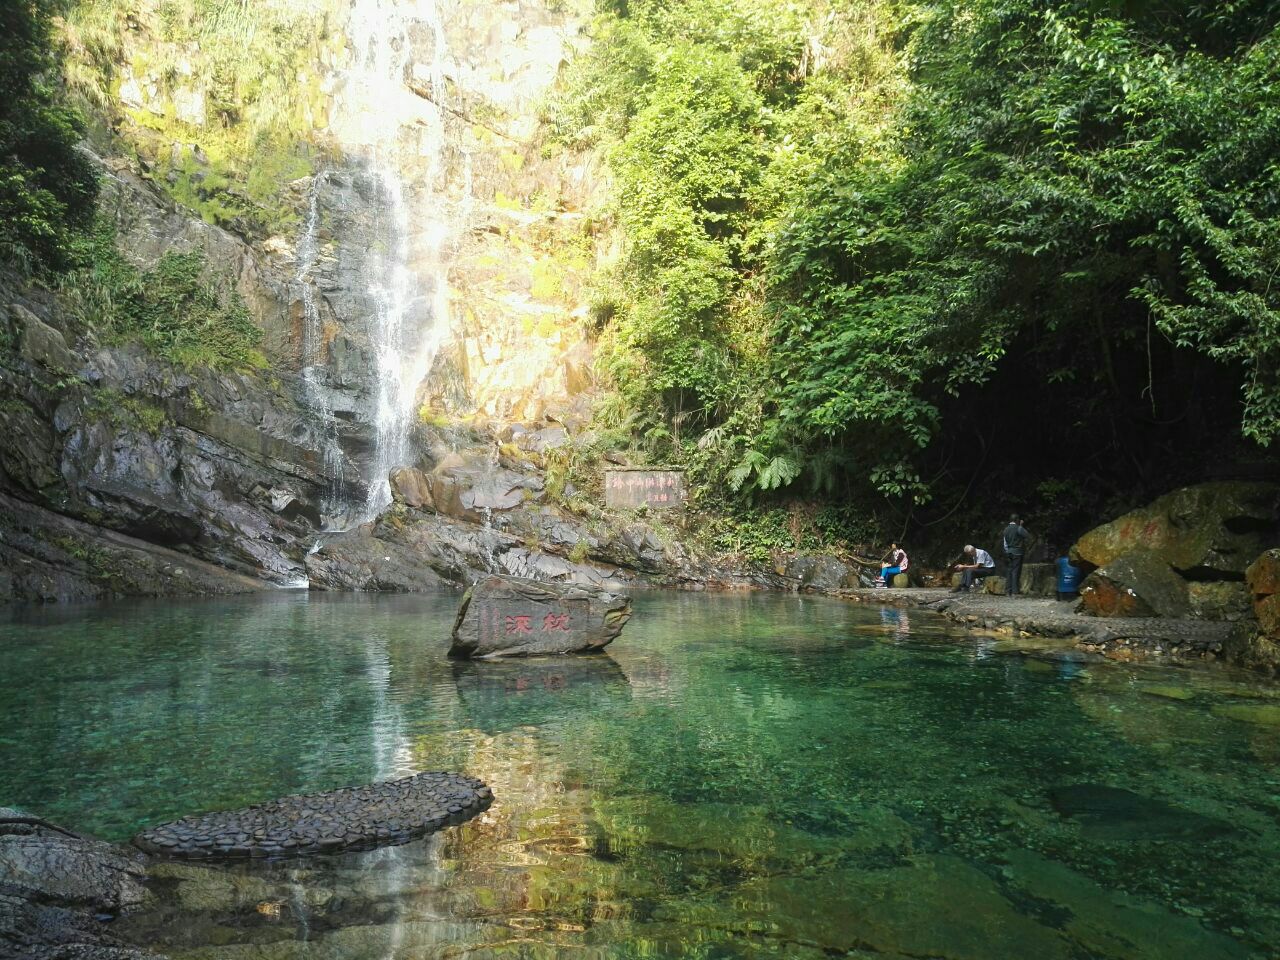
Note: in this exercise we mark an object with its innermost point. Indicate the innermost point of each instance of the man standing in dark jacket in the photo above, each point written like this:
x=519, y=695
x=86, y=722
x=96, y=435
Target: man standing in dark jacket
x=1015, y=546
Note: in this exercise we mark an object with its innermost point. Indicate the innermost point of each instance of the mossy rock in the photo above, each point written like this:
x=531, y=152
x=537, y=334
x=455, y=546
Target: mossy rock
x=1169, y=692
x=1262, y=714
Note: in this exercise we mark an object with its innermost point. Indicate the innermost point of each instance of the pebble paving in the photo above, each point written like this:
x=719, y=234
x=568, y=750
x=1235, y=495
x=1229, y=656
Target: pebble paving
x=352, y=818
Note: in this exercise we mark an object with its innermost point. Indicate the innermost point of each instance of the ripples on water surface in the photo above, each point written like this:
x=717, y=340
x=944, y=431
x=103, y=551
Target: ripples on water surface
x=741, y=776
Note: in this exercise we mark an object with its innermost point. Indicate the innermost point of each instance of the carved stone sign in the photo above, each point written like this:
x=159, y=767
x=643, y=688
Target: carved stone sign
x=635, y=487
x=511, y=617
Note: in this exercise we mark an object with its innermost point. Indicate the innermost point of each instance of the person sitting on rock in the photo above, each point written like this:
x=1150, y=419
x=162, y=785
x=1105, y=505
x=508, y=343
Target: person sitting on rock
x=976, y=564
x=897, y=563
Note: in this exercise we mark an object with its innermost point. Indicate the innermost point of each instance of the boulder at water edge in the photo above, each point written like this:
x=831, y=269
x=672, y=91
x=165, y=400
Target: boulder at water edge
x=1211, y=531
x=511, y=617
x=1257, y=644
x=1184, y=554
x=1136, y=585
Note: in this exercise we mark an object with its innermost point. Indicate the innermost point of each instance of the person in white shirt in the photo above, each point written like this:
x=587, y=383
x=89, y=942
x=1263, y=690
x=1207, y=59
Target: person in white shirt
x=976, y=564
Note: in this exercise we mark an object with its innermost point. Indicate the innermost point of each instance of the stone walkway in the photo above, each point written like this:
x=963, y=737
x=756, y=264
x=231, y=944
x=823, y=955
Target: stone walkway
x=1117, y=638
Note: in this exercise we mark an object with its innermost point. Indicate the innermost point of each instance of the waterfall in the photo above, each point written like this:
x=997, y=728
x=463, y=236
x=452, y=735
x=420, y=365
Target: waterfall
x=314, y=351
x=398, y=130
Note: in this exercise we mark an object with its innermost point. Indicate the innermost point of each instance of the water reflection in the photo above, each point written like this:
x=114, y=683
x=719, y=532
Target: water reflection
x=739, y=777
x=503, y=694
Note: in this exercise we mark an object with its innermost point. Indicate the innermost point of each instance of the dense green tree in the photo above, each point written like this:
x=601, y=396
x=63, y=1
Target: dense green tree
x=916, y=248
x=1084, y=207
x=47, y=188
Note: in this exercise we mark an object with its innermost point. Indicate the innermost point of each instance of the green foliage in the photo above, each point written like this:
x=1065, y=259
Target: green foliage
x=125, y=412
x=47, y=188
x=1076, y=192
x=762, y=534
x=173, y=309
x=913, y=250
x=231, y=95
x=710, y=113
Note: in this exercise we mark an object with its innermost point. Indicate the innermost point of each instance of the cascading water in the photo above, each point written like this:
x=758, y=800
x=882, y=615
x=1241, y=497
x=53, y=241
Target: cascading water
x=314, y=351
x=399, y=132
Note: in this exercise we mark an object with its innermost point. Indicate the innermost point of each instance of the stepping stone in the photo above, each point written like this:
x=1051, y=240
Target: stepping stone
x=352, y=818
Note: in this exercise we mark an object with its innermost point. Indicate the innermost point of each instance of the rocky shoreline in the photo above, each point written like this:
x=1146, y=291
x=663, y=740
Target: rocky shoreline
x=1115, y=638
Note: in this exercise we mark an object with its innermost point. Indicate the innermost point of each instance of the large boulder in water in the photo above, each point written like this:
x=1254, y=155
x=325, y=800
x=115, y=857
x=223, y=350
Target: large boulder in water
x=1212, y=531
x=512, y=617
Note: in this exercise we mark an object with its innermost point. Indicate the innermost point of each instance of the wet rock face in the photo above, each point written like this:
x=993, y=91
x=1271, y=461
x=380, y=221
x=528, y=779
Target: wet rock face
x=353, y=818
x=1263, y=579
x=224, y=466
x=1256, y=643
x=510, y=617
x=51, y=558
x=56, y=889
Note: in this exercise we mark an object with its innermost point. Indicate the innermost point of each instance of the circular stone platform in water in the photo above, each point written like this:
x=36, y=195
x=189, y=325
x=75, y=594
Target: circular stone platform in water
x=353, y=818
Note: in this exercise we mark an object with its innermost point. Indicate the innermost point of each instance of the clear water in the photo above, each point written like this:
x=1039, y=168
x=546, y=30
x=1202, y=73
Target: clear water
x=742, y=776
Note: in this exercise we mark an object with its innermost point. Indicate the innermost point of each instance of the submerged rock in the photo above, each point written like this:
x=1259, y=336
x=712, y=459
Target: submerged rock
x=1110, y=923
x=1112, y=813
x=512, y=617
x=932, y=906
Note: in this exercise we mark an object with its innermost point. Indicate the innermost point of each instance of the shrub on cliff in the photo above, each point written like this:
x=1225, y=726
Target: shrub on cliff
x=47, y=189
x=173, y=309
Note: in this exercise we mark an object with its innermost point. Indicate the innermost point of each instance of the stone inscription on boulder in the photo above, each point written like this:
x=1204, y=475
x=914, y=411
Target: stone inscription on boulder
x=353, y=818
x=512, y=617
x=633, y=488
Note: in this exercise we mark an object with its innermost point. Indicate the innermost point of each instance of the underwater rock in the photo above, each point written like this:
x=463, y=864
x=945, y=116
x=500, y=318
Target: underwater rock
x=1112, y=813
x=1264, y=714
x=352, y=818
x=933, y=906
x=1168, y=692
x=1109, y=923
x=513, y=617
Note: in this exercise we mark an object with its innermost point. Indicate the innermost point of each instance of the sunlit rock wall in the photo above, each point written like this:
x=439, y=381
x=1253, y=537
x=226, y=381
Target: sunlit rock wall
x=378, y=156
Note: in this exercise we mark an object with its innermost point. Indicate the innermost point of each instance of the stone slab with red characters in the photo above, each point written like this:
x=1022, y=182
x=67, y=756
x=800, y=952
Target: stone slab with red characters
x=512, y=617
x=630, y=488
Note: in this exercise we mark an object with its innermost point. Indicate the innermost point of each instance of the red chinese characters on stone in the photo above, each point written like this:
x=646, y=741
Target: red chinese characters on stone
x=555, y=622
x=551, y=623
